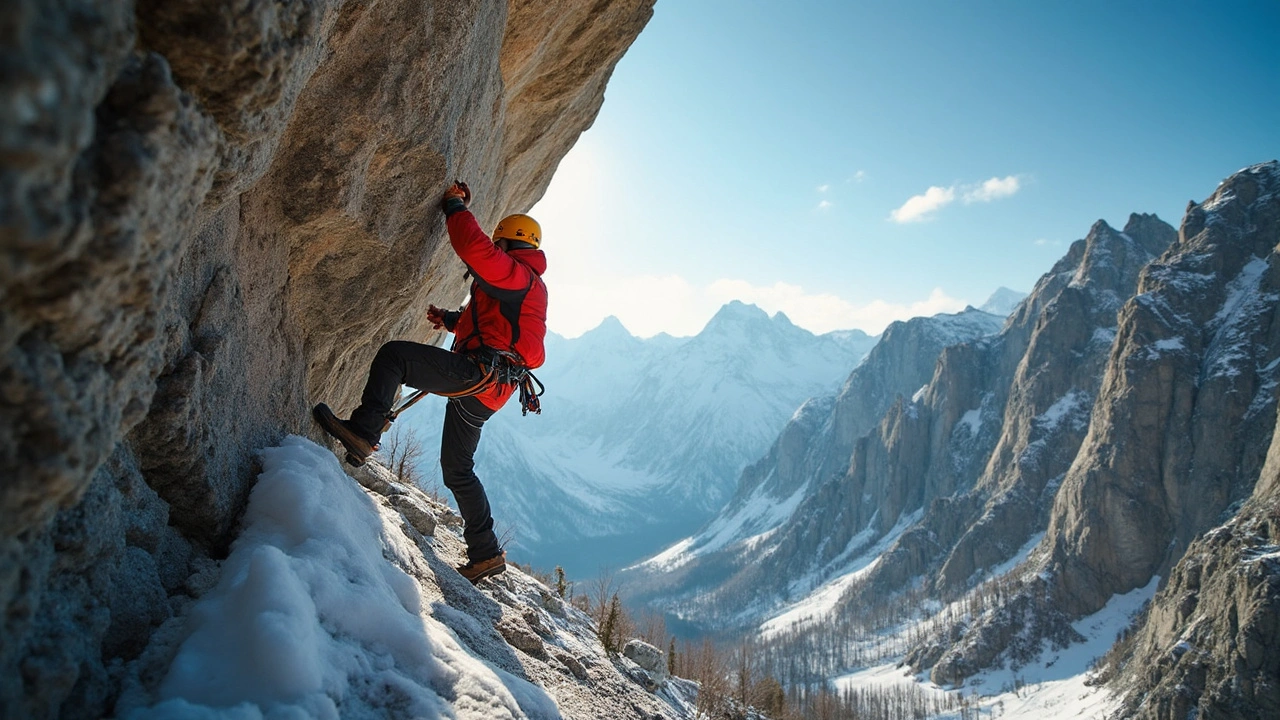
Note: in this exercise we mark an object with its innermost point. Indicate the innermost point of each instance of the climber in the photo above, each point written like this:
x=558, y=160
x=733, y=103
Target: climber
x=498, y=338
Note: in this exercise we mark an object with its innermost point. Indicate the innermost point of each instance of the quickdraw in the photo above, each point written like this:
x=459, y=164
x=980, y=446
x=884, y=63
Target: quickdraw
x=529, y=401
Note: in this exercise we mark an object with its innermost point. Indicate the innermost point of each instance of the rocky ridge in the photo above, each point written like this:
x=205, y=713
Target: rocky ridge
x=731, y=566
x=213, y=216
x=1206, y=644
x=1181, y=426
x=1171, y=446
x=977, y=451
x=1113, y=434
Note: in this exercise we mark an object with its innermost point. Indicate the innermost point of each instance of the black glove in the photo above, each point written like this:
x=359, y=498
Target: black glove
x=456, y=198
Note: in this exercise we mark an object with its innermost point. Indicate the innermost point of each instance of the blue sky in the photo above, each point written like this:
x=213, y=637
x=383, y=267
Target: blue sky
x=853, y=163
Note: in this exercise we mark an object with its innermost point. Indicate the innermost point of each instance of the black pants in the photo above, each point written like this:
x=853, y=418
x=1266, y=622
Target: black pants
x=434, y=369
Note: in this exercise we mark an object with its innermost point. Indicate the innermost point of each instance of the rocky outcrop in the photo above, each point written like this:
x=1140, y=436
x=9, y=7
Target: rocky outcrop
x=213, y=214
x=1207, y=646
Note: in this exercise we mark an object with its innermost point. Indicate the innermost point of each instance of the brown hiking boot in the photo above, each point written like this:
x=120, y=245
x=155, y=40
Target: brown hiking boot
x=358, y=448
x=477, y=570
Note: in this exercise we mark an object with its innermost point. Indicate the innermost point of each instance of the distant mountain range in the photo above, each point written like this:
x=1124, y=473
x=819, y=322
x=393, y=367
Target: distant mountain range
x=780, y=535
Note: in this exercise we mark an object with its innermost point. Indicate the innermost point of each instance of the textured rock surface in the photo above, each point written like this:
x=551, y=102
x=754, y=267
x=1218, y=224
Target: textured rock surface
x=650, y=659
x=1177, y=436
x=1046, y=405
x=213, y=213
x=1208, y=645
x=1187, y=408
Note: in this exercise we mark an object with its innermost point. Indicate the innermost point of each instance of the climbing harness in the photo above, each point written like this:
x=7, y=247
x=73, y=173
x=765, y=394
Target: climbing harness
x=497, y=367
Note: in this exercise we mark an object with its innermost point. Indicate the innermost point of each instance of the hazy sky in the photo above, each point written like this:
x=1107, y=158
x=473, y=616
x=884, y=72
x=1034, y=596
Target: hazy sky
x=854, y=163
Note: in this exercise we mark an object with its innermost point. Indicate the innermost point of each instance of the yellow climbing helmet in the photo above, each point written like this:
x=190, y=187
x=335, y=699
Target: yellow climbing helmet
x=520, y=228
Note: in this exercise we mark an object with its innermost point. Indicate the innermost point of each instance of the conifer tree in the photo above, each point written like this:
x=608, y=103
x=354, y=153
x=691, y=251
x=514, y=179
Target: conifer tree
x=562, y=585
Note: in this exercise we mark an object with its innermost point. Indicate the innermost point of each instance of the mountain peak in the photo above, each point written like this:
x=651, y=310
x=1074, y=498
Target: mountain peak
x=1002, y=302
x=1101, y=227
x=610, y=329
x=736, y=313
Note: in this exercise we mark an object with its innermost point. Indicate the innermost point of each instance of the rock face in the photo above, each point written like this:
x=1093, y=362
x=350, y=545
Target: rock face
x=213, y=215
x=1187, y=407
x=1209, y=641
x=1177, y=435
x=1208, y=645
x=650, y=659
x=983, y=448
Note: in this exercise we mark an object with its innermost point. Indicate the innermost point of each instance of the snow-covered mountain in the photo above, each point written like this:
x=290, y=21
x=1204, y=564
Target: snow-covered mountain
x=960, y=427
x=814, y=448
x=640, y=441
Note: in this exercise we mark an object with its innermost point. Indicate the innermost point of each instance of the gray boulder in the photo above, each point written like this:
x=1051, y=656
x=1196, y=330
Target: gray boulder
x=652, y=660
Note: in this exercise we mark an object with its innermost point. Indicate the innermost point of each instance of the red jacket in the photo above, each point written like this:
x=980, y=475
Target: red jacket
x=508, y=306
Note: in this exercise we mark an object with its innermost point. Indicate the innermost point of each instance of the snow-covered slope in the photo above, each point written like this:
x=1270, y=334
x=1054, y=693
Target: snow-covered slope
x=640, y=441
x=334, y=603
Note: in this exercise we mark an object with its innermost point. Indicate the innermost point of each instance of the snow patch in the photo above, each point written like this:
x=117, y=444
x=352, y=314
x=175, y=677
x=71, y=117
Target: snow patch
x=822, y=602
x=309, y=619
x=1066, y=407
x=1023, y=553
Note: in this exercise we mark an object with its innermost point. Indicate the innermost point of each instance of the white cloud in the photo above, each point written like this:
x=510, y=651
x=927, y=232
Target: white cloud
x=824, y=204
x=921, y=207
x=859, y=176
x=993, y=189
x=823, y=188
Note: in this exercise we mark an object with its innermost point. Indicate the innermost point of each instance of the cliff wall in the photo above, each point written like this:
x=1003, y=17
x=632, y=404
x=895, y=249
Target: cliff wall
x=212, y=216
